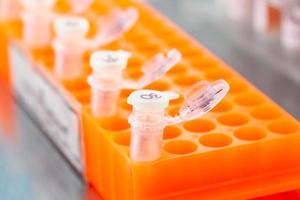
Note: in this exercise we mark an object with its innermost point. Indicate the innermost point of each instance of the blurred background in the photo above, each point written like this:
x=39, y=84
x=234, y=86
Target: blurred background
x=30, y=167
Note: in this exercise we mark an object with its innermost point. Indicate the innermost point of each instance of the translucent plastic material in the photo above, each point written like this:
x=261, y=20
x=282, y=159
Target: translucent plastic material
x=148, y=118
x=290, y=31
x=9, y=10
x=71, y=43
x=146, y=136
x=104, y=102
x=107, y=78
x=69, y=46
x=267, y=15
x=255, y=142
x=238, y=10
x=200, y=99
x=155, y=69
x=113, y=25
x=79, y=6
x=37, y=15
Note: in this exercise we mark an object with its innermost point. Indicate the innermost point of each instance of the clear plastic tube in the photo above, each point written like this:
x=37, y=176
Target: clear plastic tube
x=146, y=135
x=37, y=19
x=148, y=118
x=70, y=46
x=71, y=42
x=107, y=79
x=290, y=31
x=79, y=6
x=267, y=15
x=9, y=10
x=238, y=10
x=104, y=102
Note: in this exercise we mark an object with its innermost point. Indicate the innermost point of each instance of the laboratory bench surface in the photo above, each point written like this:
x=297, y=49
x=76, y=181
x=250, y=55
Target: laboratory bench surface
x=31, y=168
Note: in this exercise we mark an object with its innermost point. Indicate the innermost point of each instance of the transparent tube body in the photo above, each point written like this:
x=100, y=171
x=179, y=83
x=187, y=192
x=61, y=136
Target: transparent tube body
x=68, y=59
x=37, y=31
x=104, y=102
x=238, y=10
x=260, y=15
x=267, y=15
x=105, y=92
x=148, y=118
x=290, y=32
x=146, y=135
x=9, y=9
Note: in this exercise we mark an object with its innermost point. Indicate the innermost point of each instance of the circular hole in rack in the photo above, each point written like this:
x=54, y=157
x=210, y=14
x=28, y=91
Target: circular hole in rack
x=223, y=106
x=76, y=84
x=175, y=41
x=186, y=80
x=283, y=126
x=266, y=112
x=178, y=69
x=173, y=110
x=135, y=74
x=123, y=139
x=249, y=99
x=237, y=86
x=159, y=85
x=125, y=105
x=199, y=125
x=233, y=119
x=177, y=101
x=215, y=140
x=191, y=52
x=84, y=96
x=180, y=147
x=125, y=93
x=135, y=63
x=114, y=124
x=250, y=133
x=204, y=63
x=218, y=73
x=171, y=132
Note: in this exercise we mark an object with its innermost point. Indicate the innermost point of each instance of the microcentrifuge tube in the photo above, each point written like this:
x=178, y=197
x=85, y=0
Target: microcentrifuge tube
x=79, y=6
x=107, y=78
x=290, y=31
x=71, y=42
x=113, y=25
x=238, y=10
x=69, y=46
x=148, y=118
x=9, y=10
x=267, y=15
x=37, y=19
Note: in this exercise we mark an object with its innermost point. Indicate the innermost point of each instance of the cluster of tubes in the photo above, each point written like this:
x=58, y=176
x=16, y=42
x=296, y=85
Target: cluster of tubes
x=269, y=15
x=148, y=118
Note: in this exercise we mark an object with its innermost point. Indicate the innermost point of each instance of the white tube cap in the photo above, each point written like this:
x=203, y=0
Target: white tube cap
x=151, y=100
x=109, y=60
x=71, y=26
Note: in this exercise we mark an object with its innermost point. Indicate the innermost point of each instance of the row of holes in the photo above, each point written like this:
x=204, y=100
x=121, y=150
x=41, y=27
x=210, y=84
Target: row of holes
x=260, y=111
x=280, y=126
x=216, y=140
x=184, y=81
x=219, y=140
x=246, y=99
